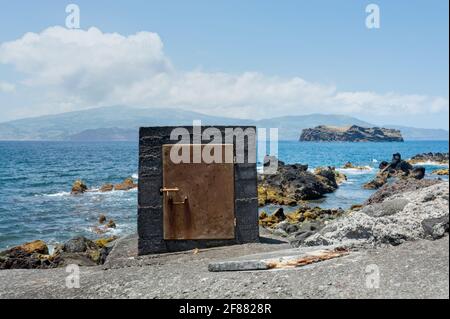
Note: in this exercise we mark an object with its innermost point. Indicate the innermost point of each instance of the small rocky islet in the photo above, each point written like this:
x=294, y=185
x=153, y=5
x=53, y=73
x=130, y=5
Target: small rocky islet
x=404, y=207
x=354, y=133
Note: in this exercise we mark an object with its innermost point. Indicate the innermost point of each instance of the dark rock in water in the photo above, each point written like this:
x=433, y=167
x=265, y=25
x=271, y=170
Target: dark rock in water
x=111, y=224
x=294, y=183
x=440, y=172
x=439, y=158
x=107, y=188
x=436, y=227
x=126, y=185
x=327, y=176
x=396, y=159
x=349, y=165
x=377, y=182
x=350, y=134
x=397, y=168
x=383, y=165
x=279, y=213
x=101, y=219
x=79, y=187
x=418, y=172
x=403, y=166
x=398, y=187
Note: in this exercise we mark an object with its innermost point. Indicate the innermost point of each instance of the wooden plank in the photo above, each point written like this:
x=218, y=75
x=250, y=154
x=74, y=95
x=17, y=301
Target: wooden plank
x=282, y=262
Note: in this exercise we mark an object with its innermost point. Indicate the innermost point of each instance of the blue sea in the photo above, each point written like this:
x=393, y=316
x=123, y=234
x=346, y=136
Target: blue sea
x=36, y=178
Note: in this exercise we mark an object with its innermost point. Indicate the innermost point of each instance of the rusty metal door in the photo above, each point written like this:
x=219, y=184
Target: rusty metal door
x=198, y=197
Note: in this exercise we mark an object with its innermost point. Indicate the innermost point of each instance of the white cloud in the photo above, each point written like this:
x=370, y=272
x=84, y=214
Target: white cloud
x=76, y=69
x=7, y=87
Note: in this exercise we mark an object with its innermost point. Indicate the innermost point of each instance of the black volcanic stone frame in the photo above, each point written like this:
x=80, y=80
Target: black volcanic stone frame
x=150, y=201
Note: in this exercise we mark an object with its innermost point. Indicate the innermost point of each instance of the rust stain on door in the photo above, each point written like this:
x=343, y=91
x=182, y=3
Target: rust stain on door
x=198, y=197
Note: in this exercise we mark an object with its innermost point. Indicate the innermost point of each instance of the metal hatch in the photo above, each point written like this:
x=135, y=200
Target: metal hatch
x=198, y=197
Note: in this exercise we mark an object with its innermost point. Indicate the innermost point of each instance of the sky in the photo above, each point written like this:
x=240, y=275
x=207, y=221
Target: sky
x=244, y=59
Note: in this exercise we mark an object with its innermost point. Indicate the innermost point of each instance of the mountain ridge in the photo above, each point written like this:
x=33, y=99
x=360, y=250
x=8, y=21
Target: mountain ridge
x=122, y=121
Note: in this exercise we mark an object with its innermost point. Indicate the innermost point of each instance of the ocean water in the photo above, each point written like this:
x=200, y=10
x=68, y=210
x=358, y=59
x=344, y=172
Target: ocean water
x=36, y=178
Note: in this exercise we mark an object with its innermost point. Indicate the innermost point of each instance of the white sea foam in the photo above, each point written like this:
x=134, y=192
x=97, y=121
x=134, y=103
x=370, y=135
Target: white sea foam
x=96, y=191
x=135, y=176
x=430, y=163
x=91, y=192
x=103, y=230
x=60, y=194
x=51, y=249
x=356, y=171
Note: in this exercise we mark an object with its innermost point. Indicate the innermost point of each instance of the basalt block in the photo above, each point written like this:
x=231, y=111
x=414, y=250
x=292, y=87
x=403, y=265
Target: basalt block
x=171, y=217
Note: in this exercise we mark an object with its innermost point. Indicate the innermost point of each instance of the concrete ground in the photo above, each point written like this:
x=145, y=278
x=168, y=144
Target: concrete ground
x=412, y=270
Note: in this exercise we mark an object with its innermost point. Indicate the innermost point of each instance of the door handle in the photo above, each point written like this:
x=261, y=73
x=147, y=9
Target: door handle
x=167, y=191
x=178, y=203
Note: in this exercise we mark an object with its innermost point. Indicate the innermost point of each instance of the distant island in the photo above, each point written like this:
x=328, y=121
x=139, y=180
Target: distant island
x=353, y=133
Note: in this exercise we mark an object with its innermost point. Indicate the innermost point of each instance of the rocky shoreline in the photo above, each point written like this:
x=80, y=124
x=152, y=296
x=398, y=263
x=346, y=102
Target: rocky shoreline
x=78, y=250
x=398, y=212
x=405, y=207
